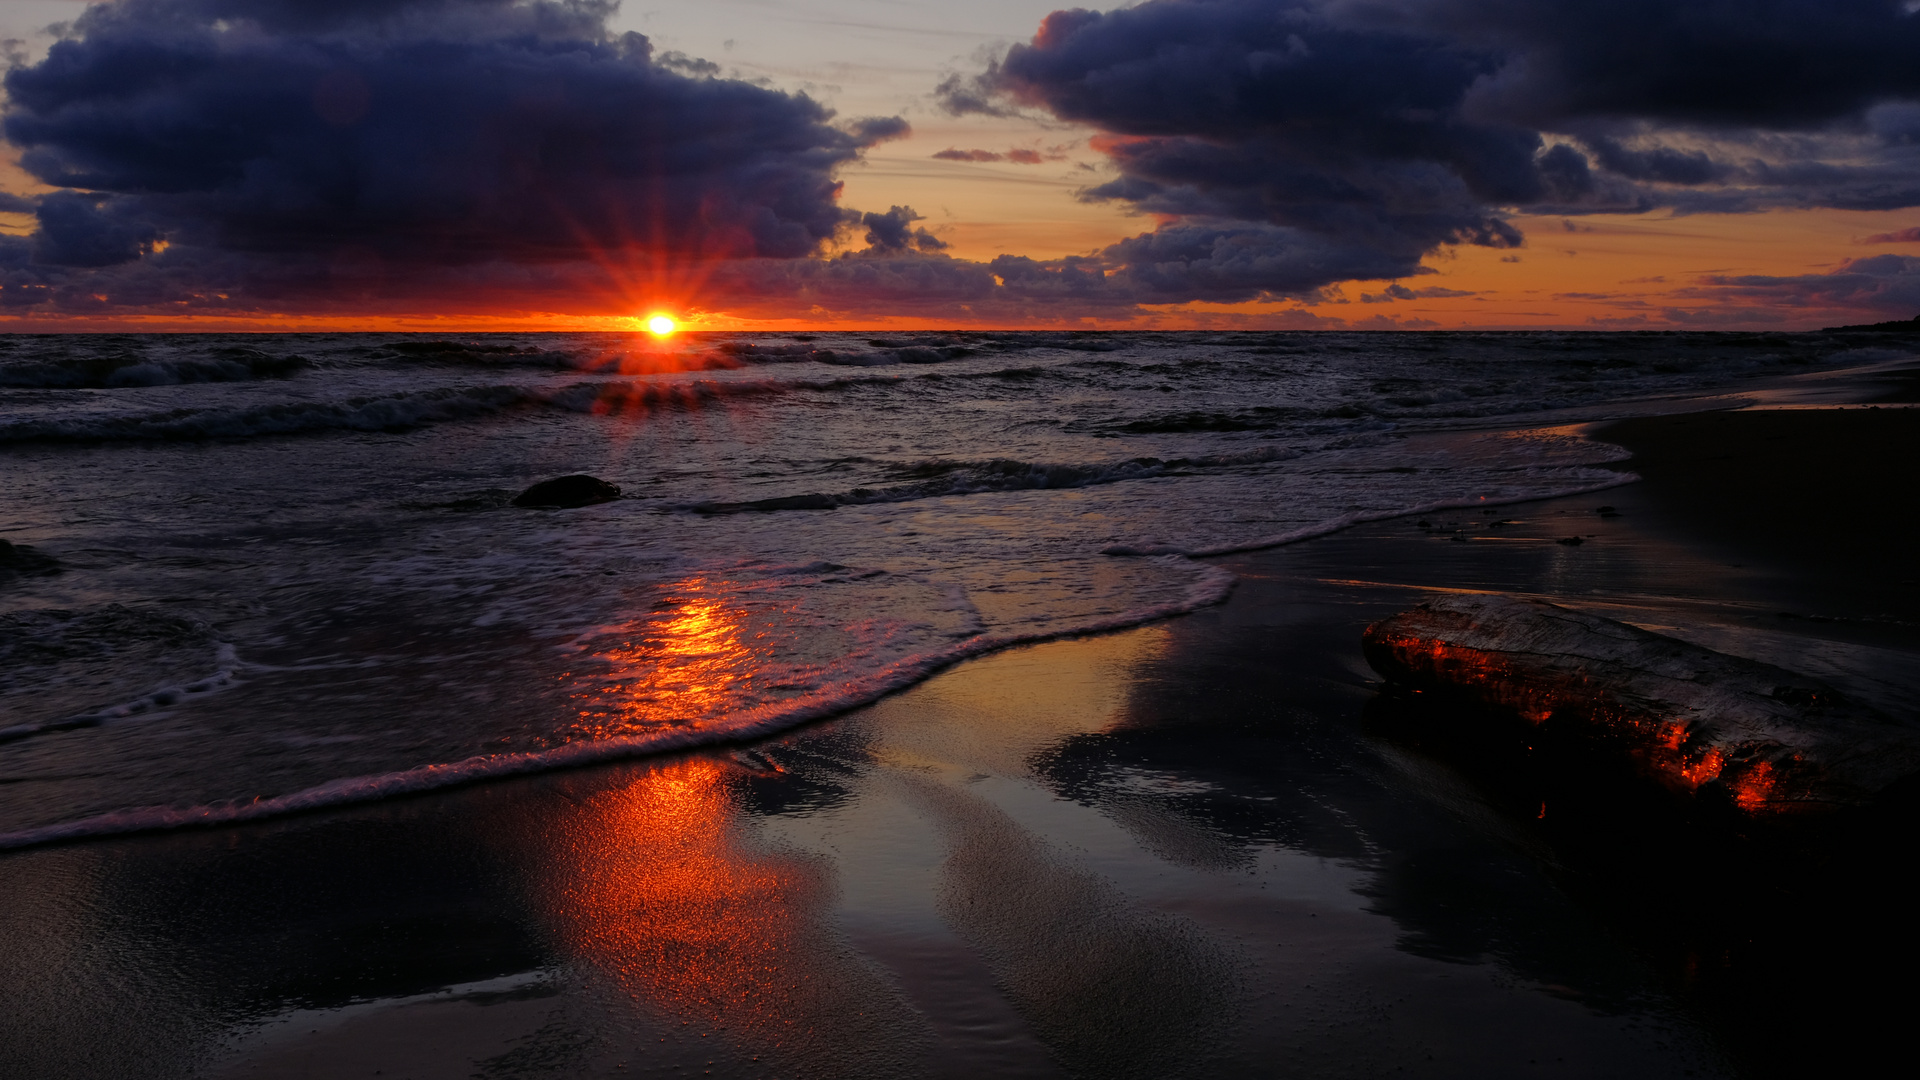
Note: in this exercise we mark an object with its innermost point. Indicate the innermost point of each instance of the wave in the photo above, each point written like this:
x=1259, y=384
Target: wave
x=879, y=353
x=401, y=411
x=1360, y=517
x=937, y=479
x=468, y=352
x=118, y=370
x=1258, y=418
x=1211, y=586
x=146, y=705
x=598, y=360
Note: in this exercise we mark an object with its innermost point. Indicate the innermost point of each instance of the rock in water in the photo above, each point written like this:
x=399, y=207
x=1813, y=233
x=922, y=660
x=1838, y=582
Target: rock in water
x=18, y=560
x=568, y=491
x=1718, y=728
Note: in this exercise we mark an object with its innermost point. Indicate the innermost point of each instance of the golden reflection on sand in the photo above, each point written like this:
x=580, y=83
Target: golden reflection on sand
x=1016, y=703
x=716, y=940
x=658, y=895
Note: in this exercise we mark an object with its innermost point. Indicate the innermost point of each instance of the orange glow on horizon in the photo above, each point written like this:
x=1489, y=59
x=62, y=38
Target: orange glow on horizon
x=1648, y=271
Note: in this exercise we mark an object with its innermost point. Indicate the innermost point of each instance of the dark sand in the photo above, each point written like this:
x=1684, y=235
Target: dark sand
x=1200, y=848
x=1830, y=497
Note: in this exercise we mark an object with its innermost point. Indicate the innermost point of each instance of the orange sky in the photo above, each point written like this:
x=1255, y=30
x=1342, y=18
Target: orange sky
x=1605, y=273
x=1596, y=272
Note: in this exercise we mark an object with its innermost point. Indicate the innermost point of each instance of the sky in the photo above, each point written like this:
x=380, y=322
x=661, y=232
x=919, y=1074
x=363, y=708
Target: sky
x=743, y=164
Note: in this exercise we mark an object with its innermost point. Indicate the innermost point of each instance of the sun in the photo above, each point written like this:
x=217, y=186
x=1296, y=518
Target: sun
x=661, y=325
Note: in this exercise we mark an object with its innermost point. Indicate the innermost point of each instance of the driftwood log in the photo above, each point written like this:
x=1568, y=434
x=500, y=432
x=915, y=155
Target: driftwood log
x=1716, y=728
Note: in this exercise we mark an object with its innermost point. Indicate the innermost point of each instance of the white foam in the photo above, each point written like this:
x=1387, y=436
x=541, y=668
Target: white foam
x=1211, y=586
x=1361, y=517
x=146, y=706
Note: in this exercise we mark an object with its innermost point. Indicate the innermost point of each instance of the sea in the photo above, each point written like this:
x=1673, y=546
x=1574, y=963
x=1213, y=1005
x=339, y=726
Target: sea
x=276, y=572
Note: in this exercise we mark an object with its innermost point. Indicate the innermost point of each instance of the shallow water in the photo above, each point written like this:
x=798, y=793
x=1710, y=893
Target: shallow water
x=1171, y=851
x=292, y=576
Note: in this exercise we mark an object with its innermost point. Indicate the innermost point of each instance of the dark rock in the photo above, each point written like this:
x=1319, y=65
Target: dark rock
x=1605, y=510
x=1570, y=541
x=568, y=491
x=1720, y=730
x=18, y=560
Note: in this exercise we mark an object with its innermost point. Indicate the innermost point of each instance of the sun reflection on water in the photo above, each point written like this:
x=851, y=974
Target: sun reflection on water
x=695, y=663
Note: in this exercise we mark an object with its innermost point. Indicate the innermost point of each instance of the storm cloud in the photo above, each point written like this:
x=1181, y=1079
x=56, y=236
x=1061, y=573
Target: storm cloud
x=1400, y=127
x=457, y=155
x=278, y=146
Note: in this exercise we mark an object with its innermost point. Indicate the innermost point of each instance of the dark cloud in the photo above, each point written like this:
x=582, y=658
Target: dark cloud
x=1404, y=126
x=1397, y=291
x=968, y=155
x=277, y=146
x=1764, y=64
x=1018, y=156
x=87, y=231
x=1171, y=265
x=1903, y=236
x=1661, y=164
x=894, y=231
x=357, y=155
x=1884, y=283
x=1221, y=262
x=873, y=130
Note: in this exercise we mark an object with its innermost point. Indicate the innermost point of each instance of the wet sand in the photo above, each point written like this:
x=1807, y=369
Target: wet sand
x=1830, y=497
x=1198, y=848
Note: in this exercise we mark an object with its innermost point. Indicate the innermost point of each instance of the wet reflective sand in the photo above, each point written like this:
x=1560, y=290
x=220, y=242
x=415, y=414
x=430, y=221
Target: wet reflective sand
x=1189, y=849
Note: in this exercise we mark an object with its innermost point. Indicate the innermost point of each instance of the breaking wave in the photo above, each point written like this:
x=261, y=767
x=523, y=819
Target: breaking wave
x=937, y=479
x=116, y=370
x=1211, y=586
x=391, y=412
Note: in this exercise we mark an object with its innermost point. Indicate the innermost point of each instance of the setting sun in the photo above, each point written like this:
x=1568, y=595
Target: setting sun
x=660, y=325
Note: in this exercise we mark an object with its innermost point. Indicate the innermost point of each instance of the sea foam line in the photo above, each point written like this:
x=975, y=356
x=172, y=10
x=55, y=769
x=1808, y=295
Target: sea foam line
x=1212, y=587
x=147, y=706
x=1358, y=517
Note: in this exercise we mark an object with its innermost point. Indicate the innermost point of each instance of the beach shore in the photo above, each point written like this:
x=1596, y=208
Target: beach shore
x=1827, y=497
x=1194, y=848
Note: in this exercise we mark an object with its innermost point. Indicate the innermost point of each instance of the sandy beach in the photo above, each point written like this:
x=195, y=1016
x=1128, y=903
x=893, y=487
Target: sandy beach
x=1198, y=848
x=859, y=540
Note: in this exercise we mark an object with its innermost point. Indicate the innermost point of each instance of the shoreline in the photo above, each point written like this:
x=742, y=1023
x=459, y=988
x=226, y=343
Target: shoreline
x=1840, y=527
x=1674, y=460
x=1177, y=849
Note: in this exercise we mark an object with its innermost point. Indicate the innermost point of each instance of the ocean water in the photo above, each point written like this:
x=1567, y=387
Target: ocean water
x=291, y=575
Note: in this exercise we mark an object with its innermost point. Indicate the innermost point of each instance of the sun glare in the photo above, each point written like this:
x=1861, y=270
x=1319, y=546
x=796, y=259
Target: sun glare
x=660, y=325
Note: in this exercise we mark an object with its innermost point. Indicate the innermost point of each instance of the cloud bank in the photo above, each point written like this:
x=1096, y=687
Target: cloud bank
x=1327, y=140
x=457, y=155
x=290, y=151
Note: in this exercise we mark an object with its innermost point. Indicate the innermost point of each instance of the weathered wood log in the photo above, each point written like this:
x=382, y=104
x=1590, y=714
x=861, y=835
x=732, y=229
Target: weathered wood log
x=1722, y=729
